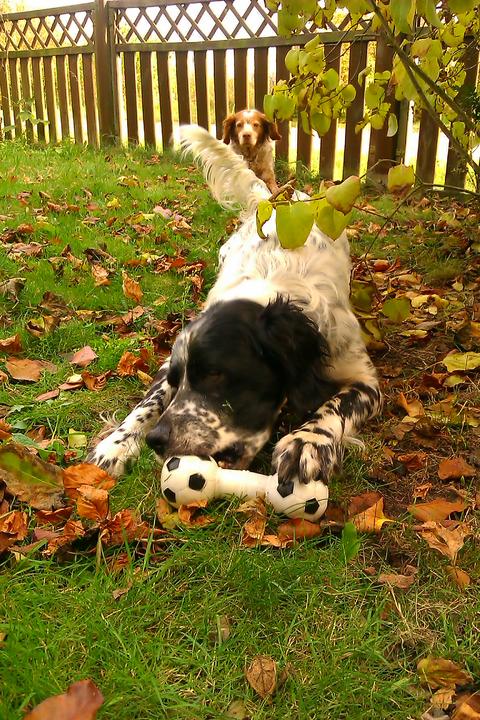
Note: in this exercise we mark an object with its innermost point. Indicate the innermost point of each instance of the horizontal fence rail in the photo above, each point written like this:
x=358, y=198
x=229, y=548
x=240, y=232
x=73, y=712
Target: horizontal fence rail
x=128, y=71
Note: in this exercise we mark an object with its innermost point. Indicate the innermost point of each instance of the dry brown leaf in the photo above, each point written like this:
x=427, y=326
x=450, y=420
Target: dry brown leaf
x=31, y=479
x=372, y=519
x=100, y=275
x=72, y=530
x=261, y=674
x=443, y=698
x=454, y=468
x=189, y=514
x=413, y=460
x=298, y=529
x=467, y=707
x=53, y=517
x=254, y=530
x=421, y=491
x=41, y=326
x=399, y=581
x=441, y=673
x=92, y=503
x=129, y=364
x=48, y=395
x=131, y=288
x=125, y=526
x=413, y=408
x=81, y=702
x=459, y=576
x=359, y=503
x=95, y=382
x=448, y=541
x=13, y=528
x=168, y=518
x=11, y=345
x=436, y=510
x=83, y=357
x=85, y=474
x=27, y=370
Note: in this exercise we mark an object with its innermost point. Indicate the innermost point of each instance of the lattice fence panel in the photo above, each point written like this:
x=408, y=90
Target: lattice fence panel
x=58, y=30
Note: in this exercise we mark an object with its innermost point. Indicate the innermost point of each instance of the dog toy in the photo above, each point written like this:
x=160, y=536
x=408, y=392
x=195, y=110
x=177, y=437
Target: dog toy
x=188, y=478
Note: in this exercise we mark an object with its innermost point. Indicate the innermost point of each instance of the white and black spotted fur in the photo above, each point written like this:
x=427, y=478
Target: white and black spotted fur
x=277, y=328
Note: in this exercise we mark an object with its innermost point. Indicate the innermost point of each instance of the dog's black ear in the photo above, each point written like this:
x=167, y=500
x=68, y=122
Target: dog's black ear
x=294, y=346
x=228, y=126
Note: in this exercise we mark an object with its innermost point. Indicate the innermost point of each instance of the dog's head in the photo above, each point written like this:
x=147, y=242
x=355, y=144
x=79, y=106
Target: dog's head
x=249, y=128
x=233, y=369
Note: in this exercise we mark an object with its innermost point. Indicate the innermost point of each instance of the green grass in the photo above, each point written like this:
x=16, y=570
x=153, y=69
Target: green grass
x=350, y=646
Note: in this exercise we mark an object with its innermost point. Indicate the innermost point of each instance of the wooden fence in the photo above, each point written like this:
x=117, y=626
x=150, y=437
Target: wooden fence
x=126, y=70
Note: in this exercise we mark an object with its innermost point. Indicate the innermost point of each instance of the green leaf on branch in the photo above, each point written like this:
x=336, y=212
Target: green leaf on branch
x=320, y=123
x=264, y=213
x=396, y=309
x=342, y=197
x=427, y=9
x=400, y=178
x=330, y=79
x=400, y=10
x=461, y=6
x=392, y=125
x=294, y=222
x=291, y=60
x=374, y=95
x=330, y=221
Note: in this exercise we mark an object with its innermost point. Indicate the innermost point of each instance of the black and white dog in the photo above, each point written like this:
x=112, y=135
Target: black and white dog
x=276, y=328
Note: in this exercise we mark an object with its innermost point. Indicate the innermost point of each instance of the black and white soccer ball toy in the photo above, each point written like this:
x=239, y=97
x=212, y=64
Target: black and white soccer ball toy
x=187, y=478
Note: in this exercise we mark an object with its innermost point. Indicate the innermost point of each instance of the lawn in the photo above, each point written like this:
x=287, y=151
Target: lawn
x=167, y=631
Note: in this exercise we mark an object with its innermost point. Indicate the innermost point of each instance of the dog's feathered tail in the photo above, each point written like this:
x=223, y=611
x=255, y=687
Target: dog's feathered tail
x=229, y=178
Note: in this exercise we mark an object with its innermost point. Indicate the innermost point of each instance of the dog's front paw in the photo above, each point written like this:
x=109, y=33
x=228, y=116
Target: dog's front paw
x=304, y=456
x=114, y=452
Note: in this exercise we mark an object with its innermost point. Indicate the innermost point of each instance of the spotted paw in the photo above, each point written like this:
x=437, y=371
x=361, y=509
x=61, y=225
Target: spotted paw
x=304, y=456
x=114, y=453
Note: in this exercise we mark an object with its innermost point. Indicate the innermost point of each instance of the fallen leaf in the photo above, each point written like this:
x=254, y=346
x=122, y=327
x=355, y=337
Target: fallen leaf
x=237, y=710
x=50, y=395
x=120, y=592
x=372, y=519
x=398, y=581
x=461, y=361
x=413, y=460
x=168, y=518
x=455, y=468
x=413, y=408
x=359, y=503
x=29, y=370
x=298, y=529
x=31, y=479
x=441, y=673
x=92, y=503
x=83, y=357
x=81, y=702
x=125, y=526
x=53, y=517
x=436, y=510
x=85, y=474
x=448, y=541
x=95, y=382
x=11, y=345
x=129, y=364
x=131, y=288
x=261, y=674
x=421, y=491
x=459, y=576
x=443, y=698
x=42, y=326
x=100, y=275
x=467, y=707
x=13, y=528
x=189, y=514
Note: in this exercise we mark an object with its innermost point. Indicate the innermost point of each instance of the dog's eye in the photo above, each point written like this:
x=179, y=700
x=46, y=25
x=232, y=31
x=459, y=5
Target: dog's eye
x=256, y=124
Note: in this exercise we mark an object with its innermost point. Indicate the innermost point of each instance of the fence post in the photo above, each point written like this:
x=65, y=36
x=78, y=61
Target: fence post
x=105, y=73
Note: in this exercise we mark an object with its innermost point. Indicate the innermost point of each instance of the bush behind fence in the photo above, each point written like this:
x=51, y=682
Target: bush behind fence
x=133, y=71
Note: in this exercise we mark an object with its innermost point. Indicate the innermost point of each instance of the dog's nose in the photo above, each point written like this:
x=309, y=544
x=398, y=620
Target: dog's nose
x=158, y=438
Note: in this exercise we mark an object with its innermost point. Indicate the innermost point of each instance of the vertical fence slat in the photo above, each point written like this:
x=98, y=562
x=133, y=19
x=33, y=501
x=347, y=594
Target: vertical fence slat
x=427, y=148
x=220, y=84
x=88, y=87
x=75, y=96
x=147, y=97
x=26, y=94
x=201, y=88
x=15, y=95
x=353, y=140
x=130, y=75
x=7, y=117
x=165, y=98
x=50, y=99
x=328, y=141
x=38, y=95
x=281, y=73
x=382, y=147
x=183, y=88
x=456, y=168
x=105, y=72
x=240, y=79
x=261, y=76
x=62, y=96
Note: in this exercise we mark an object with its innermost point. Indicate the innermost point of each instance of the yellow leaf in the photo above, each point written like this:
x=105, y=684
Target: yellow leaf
x=372, y=519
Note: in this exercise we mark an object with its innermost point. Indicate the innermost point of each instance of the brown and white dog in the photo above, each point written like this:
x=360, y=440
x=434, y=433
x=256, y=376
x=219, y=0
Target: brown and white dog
x=251, y=135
